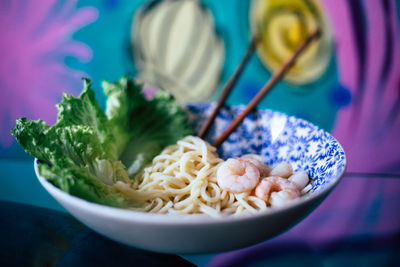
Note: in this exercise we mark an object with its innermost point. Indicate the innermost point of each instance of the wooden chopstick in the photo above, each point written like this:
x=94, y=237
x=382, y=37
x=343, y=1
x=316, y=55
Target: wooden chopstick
x=228, y=88
x=274, y=79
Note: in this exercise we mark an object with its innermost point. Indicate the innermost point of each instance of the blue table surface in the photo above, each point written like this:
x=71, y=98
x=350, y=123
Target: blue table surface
x=359, y=227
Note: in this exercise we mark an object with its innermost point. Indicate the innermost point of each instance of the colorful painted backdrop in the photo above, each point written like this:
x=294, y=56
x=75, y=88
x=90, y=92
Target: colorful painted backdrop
x=347, y=83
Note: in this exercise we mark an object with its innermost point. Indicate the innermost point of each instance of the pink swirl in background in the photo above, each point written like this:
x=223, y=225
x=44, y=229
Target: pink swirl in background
x=371, y=140
x=36, y=41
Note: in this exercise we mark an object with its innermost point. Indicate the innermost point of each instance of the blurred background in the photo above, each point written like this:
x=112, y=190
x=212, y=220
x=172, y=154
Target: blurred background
x=348, y=83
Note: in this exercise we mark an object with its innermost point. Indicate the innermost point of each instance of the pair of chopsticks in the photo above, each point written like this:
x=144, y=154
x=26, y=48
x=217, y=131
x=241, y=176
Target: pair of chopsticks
x=257, y=98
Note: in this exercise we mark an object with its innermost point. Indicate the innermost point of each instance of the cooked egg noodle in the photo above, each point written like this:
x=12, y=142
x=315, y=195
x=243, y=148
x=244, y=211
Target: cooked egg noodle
x=182, y=180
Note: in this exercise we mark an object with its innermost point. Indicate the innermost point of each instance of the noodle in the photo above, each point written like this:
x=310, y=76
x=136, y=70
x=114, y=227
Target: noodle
x=182, y=180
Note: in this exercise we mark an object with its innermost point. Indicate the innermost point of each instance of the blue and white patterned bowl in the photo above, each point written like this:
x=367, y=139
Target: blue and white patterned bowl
x=276, y=137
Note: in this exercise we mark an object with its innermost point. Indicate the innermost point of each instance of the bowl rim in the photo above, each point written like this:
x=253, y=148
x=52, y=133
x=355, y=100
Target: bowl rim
x=190, y=219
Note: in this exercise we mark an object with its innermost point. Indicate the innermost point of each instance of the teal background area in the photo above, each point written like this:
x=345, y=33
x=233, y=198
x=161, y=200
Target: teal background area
x=19, y=183
x=109, y=38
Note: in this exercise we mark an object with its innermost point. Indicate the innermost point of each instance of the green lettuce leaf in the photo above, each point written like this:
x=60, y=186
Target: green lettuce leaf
x=80, y=182
x=109, y=172
x=142, y=127
x=32, y=136
x=85, y=110
x=88, y=150
x=121, y=97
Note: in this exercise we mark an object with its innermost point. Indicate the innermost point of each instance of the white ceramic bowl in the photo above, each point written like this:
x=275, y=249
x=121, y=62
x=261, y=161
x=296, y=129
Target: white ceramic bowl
x=276, y=137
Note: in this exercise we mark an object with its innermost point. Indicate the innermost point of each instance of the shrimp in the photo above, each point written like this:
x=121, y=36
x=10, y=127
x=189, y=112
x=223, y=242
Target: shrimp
x=300, y=179
x=283, y=170
x=276, y=191
x=237, y=175
x=256, y=160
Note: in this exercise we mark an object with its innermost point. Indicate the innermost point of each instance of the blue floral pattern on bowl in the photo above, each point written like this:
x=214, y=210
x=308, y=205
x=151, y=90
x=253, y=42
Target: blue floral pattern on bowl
x=276, y=137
